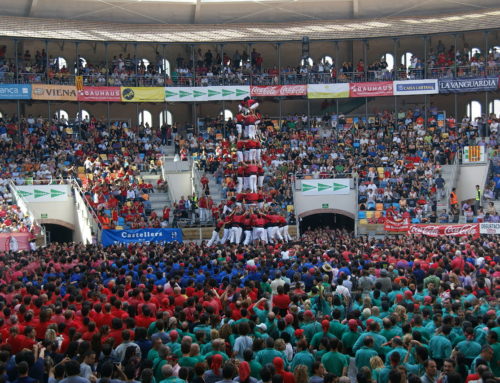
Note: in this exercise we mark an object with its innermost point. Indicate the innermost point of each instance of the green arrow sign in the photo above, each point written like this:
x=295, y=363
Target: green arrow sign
x=322, y=187
x=212, y=93
x=39, y=193
x=169, y=93
x=23, y=193
x=55, y=193
x=226, y=92
x=306, y=187
x=338, y=186
x=240, y=92
x=197, y=93
x=183, y=93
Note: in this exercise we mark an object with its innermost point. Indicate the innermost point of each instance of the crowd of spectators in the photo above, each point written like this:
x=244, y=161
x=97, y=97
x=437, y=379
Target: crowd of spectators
x=242, y=68
x=105, y=160
x=327, y=308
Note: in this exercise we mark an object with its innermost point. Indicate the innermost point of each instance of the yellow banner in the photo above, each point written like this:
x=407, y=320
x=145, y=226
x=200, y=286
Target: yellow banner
x=53, y=92
x=327, y=90
x=142, y=94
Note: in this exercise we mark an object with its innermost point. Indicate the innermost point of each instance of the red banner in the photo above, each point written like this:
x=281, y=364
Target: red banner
x=14, y=241
x=441, y=230
x=371, y=89
x=99, y=93
x=397, y=225
x=278, y=90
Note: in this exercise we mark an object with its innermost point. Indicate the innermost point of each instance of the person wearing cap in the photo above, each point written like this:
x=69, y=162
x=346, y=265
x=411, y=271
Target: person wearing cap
x=325, y=333
x=260, y=331
x=303, y=356
x=350, y=337
x=310, y=325
x=335, y=362
x=279, y=366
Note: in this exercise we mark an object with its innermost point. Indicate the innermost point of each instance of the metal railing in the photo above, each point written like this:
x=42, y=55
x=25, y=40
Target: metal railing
x=95, y=223
x=26, y=211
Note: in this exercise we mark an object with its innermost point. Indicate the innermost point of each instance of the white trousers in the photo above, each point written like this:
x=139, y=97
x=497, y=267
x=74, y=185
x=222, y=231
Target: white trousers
x=259, y=233
x=214, y=239
x=253, y=155
x=239, y=186
x=225, y=236
x=239, y=156
x=248, y=237
x=260, y=181
x=235, y=236
x=285, y=234
x=253, y=183
x=252, y=132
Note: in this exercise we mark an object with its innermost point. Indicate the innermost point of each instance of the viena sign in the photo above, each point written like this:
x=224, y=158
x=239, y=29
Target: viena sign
x=114, y=237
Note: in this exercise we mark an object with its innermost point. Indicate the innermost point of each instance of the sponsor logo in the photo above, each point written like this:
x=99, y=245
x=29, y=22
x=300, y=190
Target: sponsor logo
x=415, y=87
x=128, y=94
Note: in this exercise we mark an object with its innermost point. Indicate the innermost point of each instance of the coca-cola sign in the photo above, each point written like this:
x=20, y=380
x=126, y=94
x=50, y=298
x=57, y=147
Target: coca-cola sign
x=441, y=230
x=371, y=89
x=278, y=90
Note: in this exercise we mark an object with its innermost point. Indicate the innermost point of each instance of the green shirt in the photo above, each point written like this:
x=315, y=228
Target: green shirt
x=440, y=347
x=268, y=354
x=152, y=354
x=316, y=339
x=173, y=379
x=349, y=338
x=334, y=362
x=469, y=348
x=255, y=368
x=495, y=361
x=303, y=357
x=363, y=356
x=190, y=361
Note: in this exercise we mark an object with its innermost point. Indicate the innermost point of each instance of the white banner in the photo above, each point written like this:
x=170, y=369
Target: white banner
x=409, y=87
x=489, y=228
x=44, y=193
x=208, y=93
x=325, y=186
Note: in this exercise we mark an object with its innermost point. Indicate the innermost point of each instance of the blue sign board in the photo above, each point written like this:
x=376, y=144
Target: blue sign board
x=114, y=237
x=15, y=91
x=468, y=85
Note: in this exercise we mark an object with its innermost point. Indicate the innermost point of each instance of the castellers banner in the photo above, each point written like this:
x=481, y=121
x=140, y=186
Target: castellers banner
x=208, y=93
x=115, y=237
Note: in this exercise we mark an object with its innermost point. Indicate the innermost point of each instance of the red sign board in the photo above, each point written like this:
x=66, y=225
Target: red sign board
x=99, y=93
x=442, y=230
x=371, y=89
x=397, y=225
x=15, y=241
x=278, y=90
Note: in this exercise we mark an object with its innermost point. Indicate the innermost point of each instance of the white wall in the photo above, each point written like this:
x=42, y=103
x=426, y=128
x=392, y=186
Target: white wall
x=180, y=184
x=338, y=203
x=470, y=176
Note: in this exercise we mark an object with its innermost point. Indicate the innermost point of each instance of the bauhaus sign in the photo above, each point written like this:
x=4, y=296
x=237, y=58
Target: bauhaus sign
x=325, y=186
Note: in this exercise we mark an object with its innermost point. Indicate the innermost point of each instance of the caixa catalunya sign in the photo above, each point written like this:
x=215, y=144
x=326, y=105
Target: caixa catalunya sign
x=278, y=90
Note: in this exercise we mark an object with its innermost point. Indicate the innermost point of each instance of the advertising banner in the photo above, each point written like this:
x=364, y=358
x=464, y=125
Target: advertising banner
x=53, y=92
x=100, y=93
x=410, y=87
x=209, y=93
x=278, y=90
x=397, y=225
x=442, y=230
x=473, y=154
x=468, y=85
x=113, y=237
x=15, y=92
x=325, y=186
x=489, y=228
x=142, y=94
x=44, y=193
x=14, y=241
x=328, y=90
x=371, y=89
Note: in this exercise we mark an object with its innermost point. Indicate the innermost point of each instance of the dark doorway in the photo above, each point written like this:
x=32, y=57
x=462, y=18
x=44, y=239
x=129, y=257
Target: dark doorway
x=333, y=221
x=58, y=233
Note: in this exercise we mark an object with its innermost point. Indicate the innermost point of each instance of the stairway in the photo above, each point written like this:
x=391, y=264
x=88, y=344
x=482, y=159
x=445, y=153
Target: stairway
x=158, y=199
x=447, y=174
x=215, y=189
